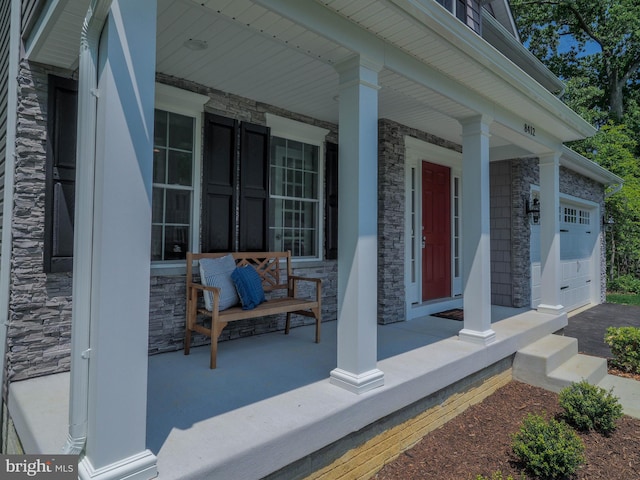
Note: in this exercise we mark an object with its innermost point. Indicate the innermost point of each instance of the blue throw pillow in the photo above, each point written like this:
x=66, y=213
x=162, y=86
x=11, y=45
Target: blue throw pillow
x=216, y=272
x=249, y=286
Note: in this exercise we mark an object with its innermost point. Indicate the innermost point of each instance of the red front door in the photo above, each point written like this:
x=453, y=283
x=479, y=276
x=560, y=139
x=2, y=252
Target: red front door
x=436, y=231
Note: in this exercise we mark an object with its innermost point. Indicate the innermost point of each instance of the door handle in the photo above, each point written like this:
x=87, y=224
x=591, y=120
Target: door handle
x=424, y=241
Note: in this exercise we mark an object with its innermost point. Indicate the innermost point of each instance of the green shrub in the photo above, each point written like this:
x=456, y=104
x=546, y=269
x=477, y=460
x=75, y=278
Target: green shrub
x=624, y=284
x=548, y=449
x=625, y=347
x=589, y=407
x=498, y=476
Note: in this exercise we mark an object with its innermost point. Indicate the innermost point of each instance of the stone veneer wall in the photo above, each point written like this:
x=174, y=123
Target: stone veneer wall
x=39, y=327
x=391, y=215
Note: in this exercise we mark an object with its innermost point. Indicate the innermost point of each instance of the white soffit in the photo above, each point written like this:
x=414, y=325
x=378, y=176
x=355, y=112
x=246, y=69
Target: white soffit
x=260, y=55
x=55, y=37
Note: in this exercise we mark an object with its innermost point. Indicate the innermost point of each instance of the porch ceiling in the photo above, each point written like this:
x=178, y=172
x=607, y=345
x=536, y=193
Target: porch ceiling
x=261, y=55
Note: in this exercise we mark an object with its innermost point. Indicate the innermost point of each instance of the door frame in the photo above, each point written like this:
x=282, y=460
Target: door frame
x=417, y=151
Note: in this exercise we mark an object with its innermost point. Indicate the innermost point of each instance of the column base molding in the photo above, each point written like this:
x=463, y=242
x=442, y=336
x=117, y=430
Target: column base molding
x=551, y=309
x=357, y=383
x=486, y=337
x=137, y=467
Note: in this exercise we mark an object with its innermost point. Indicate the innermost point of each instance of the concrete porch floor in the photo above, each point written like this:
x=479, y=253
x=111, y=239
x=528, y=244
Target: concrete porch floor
x=270, y=403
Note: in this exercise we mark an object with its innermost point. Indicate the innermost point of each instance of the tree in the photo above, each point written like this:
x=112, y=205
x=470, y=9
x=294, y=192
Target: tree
x=597, y=41
x=613, y=147
x=594, y=46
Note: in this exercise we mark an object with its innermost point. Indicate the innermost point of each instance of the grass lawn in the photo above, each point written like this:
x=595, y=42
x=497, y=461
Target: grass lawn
x=623, y=298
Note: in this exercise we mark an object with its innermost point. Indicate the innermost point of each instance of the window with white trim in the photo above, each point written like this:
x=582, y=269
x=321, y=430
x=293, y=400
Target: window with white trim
x=173, y=159
x=295, y=196
x=176, y=173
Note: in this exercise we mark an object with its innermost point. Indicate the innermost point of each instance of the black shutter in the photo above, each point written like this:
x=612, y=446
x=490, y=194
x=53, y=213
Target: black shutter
x=254, y=188
x=331, y=225
x=60, y=174
x=218, y=184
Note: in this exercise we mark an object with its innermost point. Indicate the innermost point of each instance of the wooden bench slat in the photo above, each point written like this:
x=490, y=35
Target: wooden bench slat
x=270, y=266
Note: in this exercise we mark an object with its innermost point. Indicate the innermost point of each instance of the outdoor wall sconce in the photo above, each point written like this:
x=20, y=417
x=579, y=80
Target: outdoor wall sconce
x=533, y=210
x=608, y=223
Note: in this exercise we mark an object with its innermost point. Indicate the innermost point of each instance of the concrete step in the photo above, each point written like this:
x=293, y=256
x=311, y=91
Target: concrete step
x=580, y=367
x=553, y=363
x=543, y=356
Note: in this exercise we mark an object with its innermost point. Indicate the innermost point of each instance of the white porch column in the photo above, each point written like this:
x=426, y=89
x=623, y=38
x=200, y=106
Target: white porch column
x=358, y=228
x=119, y=292
x=476, y=240
x=550, y=234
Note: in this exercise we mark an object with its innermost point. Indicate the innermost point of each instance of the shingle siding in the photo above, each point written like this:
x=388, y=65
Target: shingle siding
x=500, y=222
x=29, y=10
x=5, y=15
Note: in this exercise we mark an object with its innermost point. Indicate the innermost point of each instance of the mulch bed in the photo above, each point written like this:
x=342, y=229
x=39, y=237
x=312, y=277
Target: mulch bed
x=478, y=441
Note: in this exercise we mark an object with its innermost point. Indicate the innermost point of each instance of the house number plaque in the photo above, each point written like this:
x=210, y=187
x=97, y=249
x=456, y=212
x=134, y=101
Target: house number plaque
x=530, y=129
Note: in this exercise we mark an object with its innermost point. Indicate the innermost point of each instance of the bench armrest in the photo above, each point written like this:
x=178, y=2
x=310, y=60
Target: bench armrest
x=294, y=279
x=193, y=294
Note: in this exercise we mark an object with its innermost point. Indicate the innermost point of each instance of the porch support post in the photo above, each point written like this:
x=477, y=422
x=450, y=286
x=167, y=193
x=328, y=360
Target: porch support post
x=358, y=227
x=119, y=316
x=550, y=234
x=476, y=240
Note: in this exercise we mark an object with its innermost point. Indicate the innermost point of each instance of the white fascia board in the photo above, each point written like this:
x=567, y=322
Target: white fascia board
x=517, y=49
x=436, y=18
x=503, y=11
x=582, y=165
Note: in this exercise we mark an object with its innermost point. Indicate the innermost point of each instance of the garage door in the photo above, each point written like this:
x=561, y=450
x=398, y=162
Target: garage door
x=578, y=234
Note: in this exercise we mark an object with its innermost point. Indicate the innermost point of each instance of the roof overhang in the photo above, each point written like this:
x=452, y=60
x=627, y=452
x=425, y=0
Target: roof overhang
x=436, y=70
x=507, y=44
x=582, y=165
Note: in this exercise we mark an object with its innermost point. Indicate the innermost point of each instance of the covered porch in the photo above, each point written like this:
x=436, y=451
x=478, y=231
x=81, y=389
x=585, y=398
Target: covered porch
x=344, y=69
x=270, y=403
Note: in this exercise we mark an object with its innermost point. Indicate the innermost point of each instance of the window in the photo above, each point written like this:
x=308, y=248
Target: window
x=570, y=215
x=295, y=194
x=173, y=181
x=294, y=197
x=262, y=187
x=175, y=220
x=585, y=217
x=467, y=11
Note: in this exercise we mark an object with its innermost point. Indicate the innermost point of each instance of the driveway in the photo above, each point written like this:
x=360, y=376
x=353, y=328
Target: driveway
x=590, y=326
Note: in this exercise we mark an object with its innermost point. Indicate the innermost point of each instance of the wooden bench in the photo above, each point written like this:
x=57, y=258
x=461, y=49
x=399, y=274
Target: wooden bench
x=276, y=273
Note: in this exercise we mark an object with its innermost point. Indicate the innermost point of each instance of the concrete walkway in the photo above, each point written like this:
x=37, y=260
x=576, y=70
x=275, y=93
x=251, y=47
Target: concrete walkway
x=589, y=327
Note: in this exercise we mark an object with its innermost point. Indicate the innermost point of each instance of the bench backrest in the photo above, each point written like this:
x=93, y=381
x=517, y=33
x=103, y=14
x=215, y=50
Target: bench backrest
x=274, y=268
